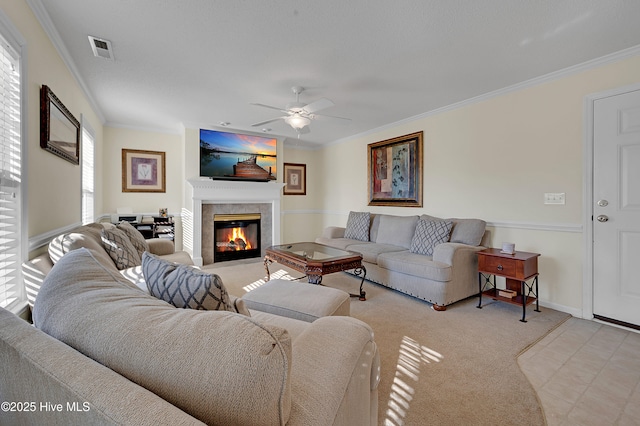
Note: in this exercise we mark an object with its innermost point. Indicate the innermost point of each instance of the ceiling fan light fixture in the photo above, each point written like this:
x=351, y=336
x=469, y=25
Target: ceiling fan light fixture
x=297, y=121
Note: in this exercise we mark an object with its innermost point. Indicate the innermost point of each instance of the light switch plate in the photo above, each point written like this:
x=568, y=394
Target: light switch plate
x=554, y=197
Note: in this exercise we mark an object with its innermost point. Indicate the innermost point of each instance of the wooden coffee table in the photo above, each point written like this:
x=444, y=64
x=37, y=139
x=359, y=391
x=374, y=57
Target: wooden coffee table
x=316, y=260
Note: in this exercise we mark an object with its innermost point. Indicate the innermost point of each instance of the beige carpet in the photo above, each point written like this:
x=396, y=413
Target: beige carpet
x=456, y=367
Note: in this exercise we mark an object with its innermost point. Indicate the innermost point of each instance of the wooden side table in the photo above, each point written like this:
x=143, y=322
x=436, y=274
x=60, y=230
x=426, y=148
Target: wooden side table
x=517, y=268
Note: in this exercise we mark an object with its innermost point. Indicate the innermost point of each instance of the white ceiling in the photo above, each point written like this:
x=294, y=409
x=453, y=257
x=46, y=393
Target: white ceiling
x=197, y=63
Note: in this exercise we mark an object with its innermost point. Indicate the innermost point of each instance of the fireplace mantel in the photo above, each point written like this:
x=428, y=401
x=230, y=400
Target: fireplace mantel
x=210, y=191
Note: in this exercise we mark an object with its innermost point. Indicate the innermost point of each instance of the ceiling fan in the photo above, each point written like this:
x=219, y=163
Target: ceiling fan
x=299, y=115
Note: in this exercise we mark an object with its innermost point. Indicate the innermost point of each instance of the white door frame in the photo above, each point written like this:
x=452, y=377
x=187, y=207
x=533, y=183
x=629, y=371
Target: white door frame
x=587, y=195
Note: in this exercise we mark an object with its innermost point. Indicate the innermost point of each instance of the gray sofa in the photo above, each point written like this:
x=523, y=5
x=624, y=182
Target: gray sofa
x=89, y=236
x=390, y=256
x=110, y=353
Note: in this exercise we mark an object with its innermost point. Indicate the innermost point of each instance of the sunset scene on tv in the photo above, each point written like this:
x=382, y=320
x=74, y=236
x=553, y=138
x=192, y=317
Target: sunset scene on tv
x=234, y=156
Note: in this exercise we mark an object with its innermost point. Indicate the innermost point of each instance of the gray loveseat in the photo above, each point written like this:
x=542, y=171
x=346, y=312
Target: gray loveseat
x=107, y=352
x=393, y=258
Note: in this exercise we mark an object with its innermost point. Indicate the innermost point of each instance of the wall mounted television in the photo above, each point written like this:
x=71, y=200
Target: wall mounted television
x=234, y=156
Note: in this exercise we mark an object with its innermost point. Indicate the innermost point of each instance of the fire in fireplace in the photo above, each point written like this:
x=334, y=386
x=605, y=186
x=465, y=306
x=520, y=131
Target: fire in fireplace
x=236, y=236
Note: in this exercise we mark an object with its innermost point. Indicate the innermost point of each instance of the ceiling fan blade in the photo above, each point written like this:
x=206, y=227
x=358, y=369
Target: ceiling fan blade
x=262, y=123
x=304, y=130
x=318, y=105
x=331, y=116
x=269, y=106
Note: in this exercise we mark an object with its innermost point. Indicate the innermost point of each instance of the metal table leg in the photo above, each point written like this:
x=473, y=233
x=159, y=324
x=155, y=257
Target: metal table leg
x=357, y=272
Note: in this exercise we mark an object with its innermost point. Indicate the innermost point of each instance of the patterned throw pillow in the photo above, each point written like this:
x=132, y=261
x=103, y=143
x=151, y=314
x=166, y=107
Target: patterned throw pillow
x=430, y=233
x=358, y=226
x=136, y=238
x=119, y=247
x=184, y=286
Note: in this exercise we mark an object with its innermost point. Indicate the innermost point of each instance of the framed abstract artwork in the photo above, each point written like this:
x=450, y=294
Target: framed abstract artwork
x=395, y=171
x=143, y=171
x=295, y=177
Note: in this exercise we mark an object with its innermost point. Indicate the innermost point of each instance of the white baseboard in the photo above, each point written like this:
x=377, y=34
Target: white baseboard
x=42, y=240
x=574, y=312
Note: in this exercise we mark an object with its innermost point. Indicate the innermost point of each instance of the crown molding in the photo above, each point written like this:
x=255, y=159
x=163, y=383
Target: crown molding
x=43, y=17
x=552, y=76
x=163, y=130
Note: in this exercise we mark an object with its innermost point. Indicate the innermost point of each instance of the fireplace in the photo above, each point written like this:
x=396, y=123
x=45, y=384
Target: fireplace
x=210, y=197
x=236, y=236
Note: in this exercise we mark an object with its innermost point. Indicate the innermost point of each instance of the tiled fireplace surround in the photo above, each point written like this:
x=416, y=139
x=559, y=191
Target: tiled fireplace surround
x=211, y=197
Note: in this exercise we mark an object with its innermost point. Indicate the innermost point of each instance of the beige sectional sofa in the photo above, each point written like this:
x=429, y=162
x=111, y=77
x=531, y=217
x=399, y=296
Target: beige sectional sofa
x=110, y=353
x=393, y=254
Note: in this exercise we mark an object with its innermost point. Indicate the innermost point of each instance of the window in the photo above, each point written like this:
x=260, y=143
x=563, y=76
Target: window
x=11, y=290
x=88, y=157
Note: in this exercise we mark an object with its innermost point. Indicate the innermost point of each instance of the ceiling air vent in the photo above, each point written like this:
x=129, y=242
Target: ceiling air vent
x=101, y=48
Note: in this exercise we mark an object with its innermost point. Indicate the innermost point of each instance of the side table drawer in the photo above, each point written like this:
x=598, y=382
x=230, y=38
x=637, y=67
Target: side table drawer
x=497, y=265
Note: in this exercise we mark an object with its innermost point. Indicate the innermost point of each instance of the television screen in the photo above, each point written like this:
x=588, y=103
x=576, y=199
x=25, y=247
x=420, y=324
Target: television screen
x=233, y=156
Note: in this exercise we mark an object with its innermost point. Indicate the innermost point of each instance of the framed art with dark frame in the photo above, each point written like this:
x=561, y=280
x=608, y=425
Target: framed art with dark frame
x=395, y=171
x=295, y=178
x=59, y=129
x=143, y=171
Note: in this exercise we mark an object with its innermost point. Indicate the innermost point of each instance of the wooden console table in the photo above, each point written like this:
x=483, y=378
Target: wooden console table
x=517, y=268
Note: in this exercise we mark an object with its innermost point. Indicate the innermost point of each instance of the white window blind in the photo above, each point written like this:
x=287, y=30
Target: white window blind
x=10, y=177
x=88, y=158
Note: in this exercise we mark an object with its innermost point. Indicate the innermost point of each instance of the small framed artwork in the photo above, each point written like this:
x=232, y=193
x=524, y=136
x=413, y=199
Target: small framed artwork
x=143, y=171
x=295, y=178
x=395, y=171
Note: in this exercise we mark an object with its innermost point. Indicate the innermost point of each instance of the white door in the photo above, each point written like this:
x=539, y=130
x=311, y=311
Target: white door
x=616, y=209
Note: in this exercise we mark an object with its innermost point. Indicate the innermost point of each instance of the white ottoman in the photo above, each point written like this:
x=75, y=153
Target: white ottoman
x=298, y=300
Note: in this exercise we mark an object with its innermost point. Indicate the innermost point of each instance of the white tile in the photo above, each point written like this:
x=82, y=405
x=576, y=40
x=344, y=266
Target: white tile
x=566, y=387
x=556, y=409
x=586, y=373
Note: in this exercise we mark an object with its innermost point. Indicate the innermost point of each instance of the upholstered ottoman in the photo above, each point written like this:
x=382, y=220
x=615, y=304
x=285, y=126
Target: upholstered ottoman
x=298, y=300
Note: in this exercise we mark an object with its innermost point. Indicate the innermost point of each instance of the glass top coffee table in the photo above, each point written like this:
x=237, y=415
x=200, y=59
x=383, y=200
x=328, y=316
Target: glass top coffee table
x=316, y=260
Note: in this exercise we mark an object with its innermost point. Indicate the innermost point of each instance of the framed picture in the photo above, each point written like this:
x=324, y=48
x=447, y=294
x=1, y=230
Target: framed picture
x=395, y=171
x=143, y=171
x=295, y=177
x=59, y=129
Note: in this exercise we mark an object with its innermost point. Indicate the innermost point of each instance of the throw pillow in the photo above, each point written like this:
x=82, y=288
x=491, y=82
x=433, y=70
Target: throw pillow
x=465, y=231
x=430, y=233
x=136, y=238
x=120, y=249
x=468, y=231
x=358, y=226
x=184, y=286
x=396, y=230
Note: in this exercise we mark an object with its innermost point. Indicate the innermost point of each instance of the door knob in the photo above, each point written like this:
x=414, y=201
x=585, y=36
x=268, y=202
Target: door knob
x=603, y=218
x=603, y=203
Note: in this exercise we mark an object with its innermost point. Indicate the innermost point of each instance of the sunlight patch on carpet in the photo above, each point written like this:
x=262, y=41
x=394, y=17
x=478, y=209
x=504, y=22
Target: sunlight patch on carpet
x=411, y=356
x=280, y=275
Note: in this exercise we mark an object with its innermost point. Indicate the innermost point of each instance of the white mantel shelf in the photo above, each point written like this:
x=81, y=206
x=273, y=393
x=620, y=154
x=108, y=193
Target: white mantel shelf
x=211, y=191
x=236, y=191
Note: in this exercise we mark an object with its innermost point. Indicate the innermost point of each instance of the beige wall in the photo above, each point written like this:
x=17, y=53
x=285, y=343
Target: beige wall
x=117, y=139
x=53, y=184
x=302, y=215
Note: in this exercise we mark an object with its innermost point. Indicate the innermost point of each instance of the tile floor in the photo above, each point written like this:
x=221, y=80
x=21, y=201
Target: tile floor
x=586, y=373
